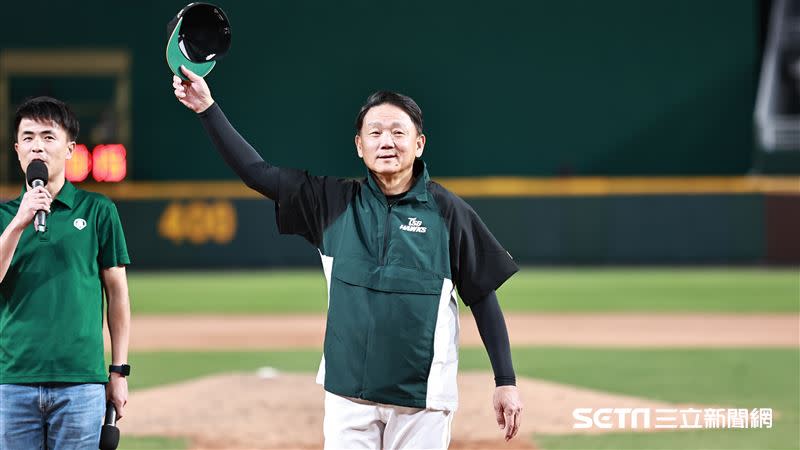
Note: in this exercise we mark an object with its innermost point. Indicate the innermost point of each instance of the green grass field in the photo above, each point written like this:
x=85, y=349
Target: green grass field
x=532, y=289
x=739, y=378
x=744, y=378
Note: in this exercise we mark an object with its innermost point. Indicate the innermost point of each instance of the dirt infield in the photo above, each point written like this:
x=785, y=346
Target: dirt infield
x=243, y=411
x=247, y=411
x=580, y=330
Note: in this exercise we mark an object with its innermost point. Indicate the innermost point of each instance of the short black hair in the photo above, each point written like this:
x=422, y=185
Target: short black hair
x=47, y=109
x=403, y=102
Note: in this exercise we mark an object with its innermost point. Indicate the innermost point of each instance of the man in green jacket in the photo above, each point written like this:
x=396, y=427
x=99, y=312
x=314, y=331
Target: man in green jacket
x=395, y=246
x=53, y=381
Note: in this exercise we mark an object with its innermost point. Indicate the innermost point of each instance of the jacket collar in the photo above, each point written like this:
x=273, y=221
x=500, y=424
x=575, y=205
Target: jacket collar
x=418, y=191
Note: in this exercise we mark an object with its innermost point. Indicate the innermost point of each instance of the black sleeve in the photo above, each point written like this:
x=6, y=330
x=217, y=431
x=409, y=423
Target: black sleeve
x=492, y=327
x=307, y=204
x=478, y=263
x=304, y=204
x=239, y=154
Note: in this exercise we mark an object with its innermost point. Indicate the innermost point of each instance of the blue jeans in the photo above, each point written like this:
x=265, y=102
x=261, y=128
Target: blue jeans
x=52, y=416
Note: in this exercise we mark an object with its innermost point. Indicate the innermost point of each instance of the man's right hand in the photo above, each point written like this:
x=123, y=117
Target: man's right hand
x=36, y=199
x=194, y=94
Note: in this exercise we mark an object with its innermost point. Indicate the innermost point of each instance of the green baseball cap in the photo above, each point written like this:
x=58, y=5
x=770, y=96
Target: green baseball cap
x=199, y=35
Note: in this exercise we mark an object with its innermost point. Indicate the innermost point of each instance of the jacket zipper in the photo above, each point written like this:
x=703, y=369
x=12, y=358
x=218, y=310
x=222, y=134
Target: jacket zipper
x=386, y=234
x=371, y=325
x=384, y=251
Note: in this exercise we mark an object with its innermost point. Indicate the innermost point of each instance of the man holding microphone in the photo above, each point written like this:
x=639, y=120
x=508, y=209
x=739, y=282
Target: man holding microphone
x=53, y=380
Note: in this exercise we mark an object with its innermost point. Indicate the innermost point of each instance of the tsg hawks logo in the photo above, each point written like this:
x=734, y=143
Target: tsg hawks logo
x=414, y=226
x=79, y=224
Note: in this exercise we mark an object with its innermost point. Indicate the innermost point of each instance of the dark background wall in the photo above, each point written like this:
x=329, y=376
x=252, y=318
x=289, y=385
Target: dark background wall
x=531, y=88
x=508, y=87
x=664, y=229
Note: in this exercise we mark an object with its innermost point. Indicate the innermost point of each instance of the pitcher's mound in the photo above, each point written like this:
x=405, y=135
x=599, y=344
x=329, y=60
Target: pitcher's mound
x=285, y=410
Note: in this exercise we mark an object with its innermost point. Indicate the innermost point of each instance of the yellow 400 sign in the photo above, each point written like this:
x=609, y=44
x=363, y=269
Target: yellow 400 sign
x=198, y=222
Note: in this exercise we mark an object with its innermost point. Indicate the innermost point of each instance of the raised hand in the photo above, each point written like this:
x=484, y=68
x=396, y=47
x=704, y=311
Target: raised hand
x=194, y=94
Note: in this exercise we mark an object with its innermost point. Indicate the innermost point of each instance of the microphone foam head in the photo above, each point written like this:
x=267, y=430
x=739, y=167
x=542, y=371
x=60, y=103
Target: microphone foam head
x=109, y=437
x=37, y=170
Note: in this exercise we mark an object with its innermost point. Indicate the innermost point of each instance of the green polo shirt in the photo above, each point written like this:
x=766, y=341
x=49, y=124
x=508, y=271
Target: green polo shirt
x=51, y=299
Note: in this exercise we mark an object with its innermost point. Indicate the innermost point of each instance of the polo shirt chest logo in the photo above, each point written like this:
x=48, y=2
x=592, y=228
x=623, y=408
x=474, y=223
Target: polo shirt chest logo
x=414, y=226
x=79, y=224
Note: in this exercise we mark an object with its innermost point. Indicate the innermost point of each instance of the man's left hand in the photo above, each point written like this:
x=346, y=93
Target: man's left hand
x=507, y=409
x=117, y=392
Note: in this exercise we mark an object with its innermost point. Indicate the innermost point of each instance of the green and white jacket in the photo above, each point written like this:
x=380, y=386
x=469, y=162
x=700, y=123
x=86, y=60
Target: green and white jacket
x=392, y=268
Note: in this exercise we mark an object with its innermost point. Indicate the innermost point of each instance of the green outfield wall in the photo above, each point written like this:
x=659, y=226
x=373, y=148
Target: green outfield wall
x=627, y=229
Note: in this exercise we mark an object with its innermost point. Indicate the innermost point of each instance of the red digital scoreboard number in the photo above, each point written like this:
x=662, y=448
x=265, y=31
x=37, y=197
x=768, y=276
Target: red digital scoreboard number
x=109, y=163
x=106, y=163
x=79, y=166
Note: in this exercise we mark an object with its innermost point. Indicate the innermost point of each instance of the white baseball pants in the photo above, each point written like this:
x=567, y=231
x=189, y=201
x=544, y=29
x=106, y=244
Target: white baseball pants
x=359, y=424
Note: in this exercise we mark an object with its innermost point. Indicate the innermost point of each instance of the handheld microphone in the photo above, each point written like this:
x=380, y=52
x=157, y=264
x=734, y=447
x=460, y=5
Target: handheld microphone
x=109, y=434
x=36, y=176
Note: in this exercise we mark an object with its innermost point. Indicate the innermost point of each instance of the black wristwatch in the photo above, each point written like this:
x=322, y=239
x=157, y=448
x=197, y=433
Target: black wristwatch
x=123, y=370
